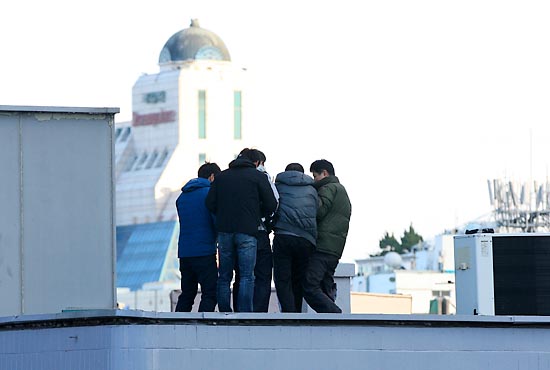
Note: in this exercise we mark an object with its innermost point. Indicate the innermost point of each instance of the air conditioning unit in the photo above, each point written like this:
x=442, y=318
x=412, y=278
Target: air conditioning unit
x=502, y=274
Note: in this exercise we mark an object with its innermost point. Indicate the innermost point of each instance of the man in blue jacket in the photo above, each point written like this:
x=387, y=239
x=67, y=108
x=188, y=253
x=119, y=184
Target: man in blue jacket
x=197, y=242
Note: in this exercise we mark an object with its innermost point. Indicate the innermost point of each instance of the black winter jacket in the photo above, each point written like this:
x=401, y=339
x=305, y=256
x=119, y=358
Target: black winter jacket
x=297, y=210
x=239, y=197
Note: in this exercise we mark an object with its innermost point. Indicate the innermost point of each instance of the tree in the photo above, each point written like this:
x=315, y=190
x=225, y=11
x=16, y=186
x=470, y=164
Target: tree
x=410, y=238
x=388, y=244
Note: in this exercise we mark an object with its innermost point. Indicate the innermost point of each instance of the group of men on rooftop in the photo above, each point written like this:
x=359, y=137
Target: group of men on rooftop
x=225, y=220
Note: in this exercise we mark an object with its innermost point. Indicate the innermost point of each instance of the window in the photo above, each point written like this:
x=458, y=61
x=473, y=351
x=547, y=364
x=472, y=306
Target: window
x=125, y=134
x=202, y=158
x=131, y=163
x=152, y=160
x=237, y=115
x=162, y=158
x=141, y=162
x=202, y=114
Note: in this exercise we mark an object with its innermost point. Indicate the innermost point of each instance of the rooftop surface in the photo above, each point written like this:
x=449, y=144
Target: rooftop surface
x=114, y=339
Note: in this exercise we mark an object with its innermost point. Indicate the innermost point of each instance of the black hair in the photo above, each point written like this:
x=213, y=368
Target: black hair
x=322, y=164
x=208, y=169
x=251, y=154
x=262, y=156
x=294, y=167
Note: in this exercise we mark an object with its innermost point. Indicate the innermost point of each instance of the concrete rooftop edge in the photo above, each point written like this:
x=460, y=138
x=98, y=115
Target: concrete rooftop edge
x=51, y=109
x=125, y=317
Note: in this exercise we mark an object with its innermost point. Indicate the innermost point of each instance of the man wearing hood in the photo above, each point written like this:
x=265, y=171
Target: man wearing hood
x=295, y=229
x=263, y=270
x=197, y=242
x=239, y=197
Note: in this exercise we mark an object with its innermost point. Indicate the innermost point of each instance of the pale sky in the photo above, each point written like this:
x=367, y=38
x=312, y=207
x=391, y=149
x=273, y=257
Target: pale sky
x=416, y=103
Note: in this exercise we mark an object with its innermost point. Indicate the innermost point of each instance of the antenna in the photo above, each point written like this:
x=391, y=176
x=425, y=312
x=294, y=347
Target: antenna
x=539, y=196
x=491, y=197
x=531, y=154
x=512, y=194
x=498, y=191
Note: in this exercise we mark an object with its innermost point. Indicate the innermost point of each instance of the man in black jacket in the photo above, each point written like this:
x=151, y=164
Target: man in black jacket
x=263, y=271
x=239, y=197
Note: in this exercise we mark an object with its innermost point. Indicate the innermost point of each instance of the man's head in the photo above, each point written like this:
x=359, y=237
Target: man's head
x=209, y=171
x=321, y=168
x=253, y=155
x=294, y=167
x=262, y=156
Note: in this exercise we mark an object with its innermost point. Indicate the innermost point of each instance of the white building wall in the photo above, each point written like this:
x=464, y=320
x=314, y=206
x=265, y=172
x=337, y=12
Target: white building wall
x=165, y=134
x=424, y=286
x=447, y=251
x=381, y=283
x=219, y=80
x=147, y=195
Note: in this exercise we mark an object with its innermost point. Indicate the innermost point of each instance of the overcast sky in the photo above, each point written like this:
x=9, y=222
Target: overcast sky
x=416, y=103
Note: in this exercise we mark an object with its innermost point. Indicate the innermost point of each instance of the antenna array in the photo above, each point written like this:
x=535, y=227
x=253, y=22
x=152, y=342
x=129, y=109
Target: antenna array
x=521, y=207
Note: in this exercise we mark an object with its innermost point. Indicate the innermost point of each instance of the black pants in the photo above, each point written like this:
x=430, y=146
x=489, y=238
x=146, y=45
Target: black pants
x=290, y=259
x=263, y=273
x=198, y=270
x=319, y=286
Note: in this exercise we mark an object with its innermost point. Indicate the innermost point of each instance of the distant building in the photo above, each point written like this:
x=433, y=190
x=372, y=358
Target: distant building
x=426, y=273
x=190, y=112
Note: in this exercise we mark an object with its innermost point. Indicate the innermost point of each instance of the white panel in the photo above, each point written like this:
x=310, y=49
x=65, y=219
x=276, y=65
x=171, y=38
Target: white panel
x=68, y=212
x=474, y=274
x=10, y=269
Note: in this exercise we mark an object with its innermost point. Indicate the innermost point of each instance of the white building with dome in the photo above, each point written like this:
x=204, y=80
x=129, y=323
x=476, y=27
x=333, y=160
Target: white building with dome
x=191, y=111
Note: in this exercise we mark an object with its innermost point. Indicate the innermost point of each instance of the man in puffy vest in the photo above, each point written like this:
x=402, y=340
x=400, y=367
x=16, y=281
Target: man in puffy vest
x=295, y=231
x=333, y=216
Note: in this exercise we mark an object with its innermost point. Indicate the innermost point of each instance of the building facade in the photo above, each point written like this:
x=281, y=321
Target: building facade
x=190, y=112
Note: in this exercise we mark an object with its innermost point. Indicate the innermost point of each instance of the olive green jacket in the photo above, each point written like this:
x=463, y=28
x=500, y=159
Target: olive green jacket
x=333, y=216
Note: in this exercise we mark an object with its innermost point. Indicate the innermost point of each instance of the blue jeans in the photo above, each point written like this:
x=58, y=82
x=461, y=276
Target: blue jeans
x=236, y=248
x=263, y=271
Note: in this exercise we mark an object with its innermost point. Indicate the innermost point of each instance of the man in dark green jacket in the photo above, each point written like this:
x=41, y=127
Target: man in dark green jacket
x=333, y=216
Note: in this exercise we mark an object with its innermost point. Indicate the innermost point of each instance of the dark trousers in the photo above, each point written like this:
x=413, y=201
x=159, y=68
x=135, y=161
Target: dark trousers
x=198, y=270
x=263, y=272
x=290, y=259
x=319, y=286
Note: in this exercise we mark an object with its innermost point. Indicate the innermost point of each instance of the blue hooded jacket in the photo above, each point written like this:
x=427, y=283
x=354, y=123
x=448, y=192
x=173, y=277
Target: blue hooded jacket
x=197, y=231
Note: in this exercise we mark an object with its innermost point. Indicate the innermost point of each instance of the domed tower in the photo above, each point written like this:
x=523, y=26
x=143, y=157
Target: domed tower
x=190, y=112
x=193, y=43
